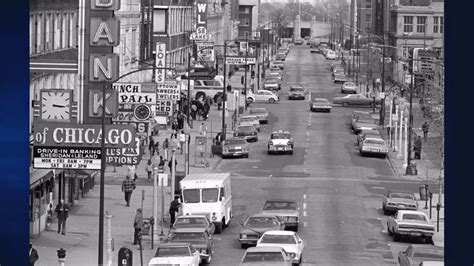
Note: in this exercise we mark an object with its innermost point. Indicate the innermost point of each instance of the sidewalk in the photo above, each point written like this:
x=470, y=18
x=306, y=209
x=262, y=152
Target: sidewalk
x=438, y=238
x=81, y=239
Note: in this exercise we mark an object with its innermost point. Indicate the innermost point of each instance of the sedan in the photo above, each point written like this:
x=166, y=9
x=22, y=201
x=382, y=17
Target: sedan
x=320, y=104
x=395, y=201
x=367, y=133
x=261, y=113
x=416, y=255
x=410, y=224
x=263, y=96
x=349, y=87
x=363, y=123
x=235, y=147
x=272, y=84
x=340, y=77
x=286, y=210
x=175, y=254
x=356, y=99
x=194, y=221
x=374, y=146
x=248, y=133
x=255, y=225
x=250, y=120
x=200, y=239
x=274, y=75
x=296, y=92
x=266, y=256
x=291, y=242
x=279, y=64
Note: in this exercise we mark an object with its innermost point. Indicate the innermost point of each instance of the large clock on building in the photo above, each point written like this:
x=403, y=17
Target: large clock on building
x=142, y=112
x=56, y=105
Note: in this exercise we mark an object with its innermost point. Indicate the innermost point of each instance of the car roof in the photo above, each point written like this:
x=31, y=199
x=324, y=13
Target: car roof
x=259, y=108
x=235, y=138
x=320, y=99
x=249, y=116
x=268, y=248
x=279, y=232
x=174, y=244
x=373, y=138
x=400, y=192
x=410, y=212
x=281, y=131
x=263, y=215
x=280, y=200
x=423, y=246
x=190, y=230
x=191, y=216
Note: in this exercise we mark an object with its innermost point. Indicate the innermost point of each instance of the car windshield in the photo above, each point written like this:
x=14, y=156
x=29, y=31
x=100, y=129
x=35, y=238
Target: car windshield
x=401, y=196
x=274, y=75
x=261, y=222
x=235, y=142
x=429, y=254
x=245, y=128
x=374, y=141
x=297, y=89
x=172, y=252
x=321, y=101
x=281, y=136
x=279, y=205
x=365, y=119
x=264, y=257
x=210, y=194
x=191, y=195
x=271, y=81
x=349, y=84
x=179, y=236
x=257, y=111
x=184, y=221
x=278, y=239
x=414, y=216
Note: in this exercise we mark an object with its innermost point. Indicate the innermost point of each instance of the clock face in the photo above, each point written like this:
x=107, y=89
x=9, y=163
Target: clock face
x=56, y=105
x=142, y=112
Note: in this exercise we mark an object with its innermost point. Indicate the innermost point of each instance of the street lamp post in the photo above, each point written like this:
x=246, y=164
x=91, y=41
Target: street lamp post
x=382, y=106
x=224, y=96
x=246, y=66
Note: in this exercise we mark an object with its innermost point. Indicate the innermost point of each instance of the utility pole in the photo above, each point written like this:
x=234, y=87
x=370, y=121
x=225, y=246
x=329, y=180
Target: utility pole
x=246, y=66
x=409, y=170
x=189, y=88
x=224, y=96
x=382, y=105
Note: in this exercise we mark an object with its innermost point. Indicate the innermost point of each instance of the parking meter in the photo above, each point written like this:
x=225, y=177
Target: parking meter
x=125, y=257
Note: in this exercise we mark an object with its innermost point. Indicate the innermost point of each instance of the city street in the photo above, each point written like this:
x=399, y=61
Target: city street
x=338, y=191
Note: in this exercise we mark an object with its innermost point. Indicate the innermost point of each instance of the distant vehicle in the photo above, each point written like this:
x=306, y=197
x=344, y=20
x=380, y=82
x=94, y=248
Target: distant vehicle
x=275, y=69
x=266, y=256
x=410, y=224
x=291, y=242
x=296, y=92
x=208, y=194
x=280, y=57
x=199, y=237
x=175, y=254
x=280, y=141
x=394, y=201
x=249, y=133
x=261, y=113
x=207, y=88
x=340, y=77
x=279, y=64
x=320, y=104
x=263, y=96
x=194, y=221
x=274, y=75
x=286, y=210
x=349, y=87
x=250, y=120
x=315, y=50
x=363, y=123
x=374, y=146
x=355, y=99
x=416, y=255
x=272, y=84
x=283, y=51
x=331, y=55
x=235, y=147
x=255, y=225
x=367, y=133
x=356, y=114
x=307, y=38
x=299, y=41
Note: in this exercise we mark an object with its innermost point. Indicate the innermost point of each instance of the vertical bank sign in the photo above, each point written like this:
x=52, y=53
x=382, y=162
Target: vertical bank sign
x=201, y=20
x=160, y=64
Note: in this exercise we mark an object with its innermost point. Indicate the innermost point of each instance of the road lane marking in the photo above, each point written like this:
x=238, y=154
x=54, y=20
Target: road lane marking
x=304, y=196
x=304, y=205
x=378, y=187
x=305, y=224
x=304, y=213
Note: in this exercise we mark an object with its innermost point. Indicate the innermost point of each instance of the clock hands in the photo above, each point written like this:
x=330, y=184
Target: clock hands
x=59, y=106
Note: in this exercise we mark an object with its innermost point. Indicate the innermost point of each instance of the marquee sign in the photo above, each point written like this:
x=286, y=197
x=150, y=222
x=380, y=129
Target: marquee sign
x=52, y=157
x=168, y=91
x=240, y=60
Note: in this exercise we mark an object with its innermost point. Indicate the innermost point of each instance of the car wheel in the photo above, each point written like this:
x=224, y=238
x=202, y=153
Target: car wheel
x=271, y=100
x=385, y=211
x=246, y=155
x=389, y=231
x=269, y=152
x=209, y=259
x=429, y=240
x=291, y=152
x=396, y=237
x=244, y=246
x=372, y=105
x=250, y=100
x=312, y=110
x=345, y=104
x=218, y=229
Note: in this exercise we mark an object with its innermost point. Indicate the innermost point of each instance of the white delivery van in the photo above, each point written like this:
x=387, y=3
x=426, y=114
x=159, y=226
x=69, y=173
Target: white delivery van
x=208, y=194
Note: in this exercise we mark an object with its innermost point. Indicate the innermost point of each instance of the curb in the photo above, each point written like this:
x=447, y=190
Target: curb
x=392, y=166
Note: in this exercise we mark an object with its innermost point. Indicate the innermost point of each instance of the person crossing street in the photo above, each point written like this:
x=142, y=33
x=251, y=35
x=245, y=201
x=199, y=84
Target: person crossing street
x=128, y=186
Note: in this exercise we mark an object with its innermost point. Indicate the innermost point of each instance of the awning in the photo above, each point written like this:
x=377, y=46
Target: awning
x=79, y=173
x=38, y=174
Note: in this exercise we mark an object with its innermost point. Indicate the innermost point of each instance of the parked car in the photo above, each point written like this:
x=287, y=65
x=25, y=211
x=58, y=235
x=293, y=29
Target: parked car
x=296, y=92
x=272, y=84
x=394, y=201
x=349, y=87
x=280, y=57
x=320, y=104
x=193, y=221
x=286, y=210
x=291, y=242
x=356, y=114
x=315, y=50
x=364, y=133
x=280, y=141
x=249, y=133
x=275, y=69
x=250, y=120
x=340, y=77
x=330, y=55
x=274, y=75
x=299, y=41
x=235, y=147
x=373, y=146
x=337, y=64
x=266, y=256
x=410, y=224
x=199, y=237
x=363, y=123
x=355, y=99
x=175, y=254
x=279, y=64
x=261, y=113
x=416, y=255
x=255, y=225
x=263, y=96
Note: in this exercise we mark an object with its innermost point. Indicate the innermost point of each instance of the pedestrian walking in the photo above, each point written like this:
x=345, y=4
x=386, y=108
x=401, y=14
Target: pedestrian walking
x=174, y=208
x=128, y=186
x=151, y=144
x=62, y=211
x=149, y=169
x=402, y=91
x=182, y=140
x=425, y=127
x=161, y=165
x=137, y=226
x=170, y=164
x=156, y=144
x=219, y=102
x=417, y=148
x=203, y=129
x=166, y=146
x=132, y=171
x=218, y=139
x=33, y=253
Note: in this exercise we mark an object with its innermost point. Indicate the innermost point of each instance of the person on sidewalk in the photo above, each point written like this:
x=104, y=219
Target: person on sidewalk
x=156, y=144
x=182, y=140
x=417, y=148
x=33, y=255
x=149, y=169
x=128, y=186
x=402, y=91
x=170, y=164
x=425, y=127
x=174, y=208
x=219, y=102
x=166, y=146
x=218, y=139
x=151, y=144
x=62, y=211
x=137, y=226
x=132, y=171
x=161, y=165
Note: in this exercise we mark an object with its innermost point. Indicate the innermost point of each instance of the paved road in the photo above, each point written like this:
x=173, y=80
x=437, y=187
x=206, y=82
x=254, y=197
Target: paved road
x=337, y=190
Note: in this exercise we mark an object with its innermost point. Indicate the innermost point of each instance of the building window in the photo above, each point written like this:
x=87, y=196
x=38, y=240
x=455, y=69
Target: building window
x=367, y=17
x=64, y=31
x=420, y=24
x=32, y=34
x=48, y=32
x=134, y=42
x=244, y=10
x=407, y=24
x=159, y=20
x=57, y=32
x=368, y=4
x=438, y=24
